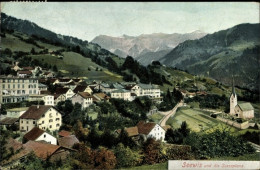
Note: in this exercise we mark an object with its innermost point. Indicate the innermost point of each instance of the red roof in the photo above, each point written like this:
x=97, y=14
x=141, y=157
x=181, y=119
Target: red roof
x=85, y=95
x=80, y=88
x=61, y=90
x=35, y=112
x=41, y=150
x=33, y=134
x=145, y=128
x=24, y=72
x=64, y=133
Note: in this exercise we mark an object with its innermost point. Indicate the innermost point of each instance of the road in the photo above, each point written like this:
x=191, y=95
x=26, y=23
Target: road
x=169, y=114
x=257, y=147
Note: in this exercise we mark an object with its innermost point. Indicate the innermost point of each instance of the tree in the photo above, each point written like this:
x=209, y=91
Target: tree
x=105, y=159
x=151, y=150
x=54, y=68
x=126, y=157
x=84, y=158
x=125, y=139
x=33, y=51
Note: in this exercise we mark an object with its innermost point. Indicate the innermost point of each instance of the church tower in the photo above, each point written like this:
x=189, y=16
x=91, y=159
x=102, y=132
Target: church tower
x=233, y=100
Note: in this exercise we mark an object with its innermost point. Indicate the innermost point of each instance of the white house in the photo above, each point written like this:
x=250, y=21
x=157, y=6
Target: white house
x=42, y=116
x=24, y=73
x=121, y=94
x=58, y=98
x=37, y=134
x=82, y=88
x=66, y=91
x=48, y=100
x=151, y=129
x=83, y=98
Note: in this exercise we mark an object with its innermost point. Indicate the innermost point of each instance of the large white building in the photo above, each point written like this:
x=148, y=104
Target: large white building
x=15, y=89
x=150, y=90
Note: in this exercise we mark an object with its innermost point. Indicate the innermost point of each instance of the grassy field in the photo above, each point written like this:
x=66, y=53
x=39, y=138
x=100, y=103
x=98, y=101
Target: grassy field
x=246, y=157
x=160, y=166
x=15, y=44
x=74, y=64
x=197, y=120
x=156, y=117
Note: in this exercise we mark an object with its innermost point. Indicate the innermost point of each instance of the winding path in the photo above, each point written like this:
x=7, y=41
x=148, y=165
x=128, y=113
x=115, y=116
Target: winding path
x=168, y=114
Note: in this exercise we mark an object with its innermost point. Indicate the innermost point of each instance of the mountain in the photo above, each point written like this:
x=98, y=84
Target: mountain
x=32, y=29
x=220, y=55
x=145, y=43
x=147, y=58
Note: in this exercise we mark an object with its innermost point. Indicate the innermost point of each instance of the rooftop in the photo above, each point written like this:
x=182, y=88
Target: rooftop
x=68, y=141
x=18, y=109
x=35, y=112
x=64, y=133
x=33, y=134
x=246, y=106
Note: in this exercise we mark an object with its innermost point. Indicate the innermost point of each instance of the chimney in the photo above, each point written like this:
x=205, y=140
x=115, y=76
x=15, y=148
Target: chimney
x=38, y=105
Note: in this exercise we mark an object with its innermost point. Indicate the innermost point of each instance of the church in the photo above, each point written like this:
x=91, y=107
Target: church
x=241, y=110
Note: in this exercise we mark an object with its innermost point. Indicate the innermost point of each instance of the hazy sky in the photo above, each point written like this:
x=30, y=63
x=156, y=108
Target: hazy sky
x=86, y=20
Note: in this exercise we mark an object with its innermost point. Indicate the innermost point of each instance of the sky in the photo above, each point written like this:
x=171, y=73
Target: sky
x=86, y=20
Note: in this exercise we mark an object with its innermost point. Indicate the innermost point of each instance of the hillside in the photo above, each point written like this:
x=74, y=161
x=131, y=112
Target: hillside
x=137, y=46
x=220, y=55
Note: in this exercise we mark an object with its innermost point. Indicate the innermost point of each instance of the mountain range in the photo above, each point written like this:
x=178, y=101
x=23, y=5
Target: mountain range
x=137, y=46
x=221, y=55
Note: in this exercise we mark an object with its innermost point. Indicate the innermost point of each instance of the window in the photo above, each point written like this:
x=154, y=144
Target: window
x=3, y=86
x=57, y=119
x=50, y=120
x=50, y=126
x=13, y=85
x=22, y=127
x=33, y=122
x=57, y=125
x=42, y=122
x=27, y=122
x=44, y=136
x=22, y=121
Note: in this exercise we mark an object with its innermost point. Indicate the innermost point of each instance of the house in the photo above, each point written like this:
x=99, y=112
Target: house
x=132, y=132
x=241, y=110
x=48, y=151
x=64, y=133
x=58, y=98
x=122, y=94
x=82, y=88
x=83, y=98
x=66, y=91
x=24, y=73
x=16, y=68
x=48, y=100
x=103, y=87
x=100, y=97
x=37, y=134
x=43, y=116
x=151, y=129
x=146, y=130
x=9, y=121
x=48, y=74
x=68, y=141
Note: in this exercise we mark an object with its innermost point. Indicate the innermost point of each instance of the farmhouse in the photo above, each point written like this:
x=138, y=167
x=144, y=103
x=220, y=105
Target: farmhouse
x=42, y=116
x=83, y=98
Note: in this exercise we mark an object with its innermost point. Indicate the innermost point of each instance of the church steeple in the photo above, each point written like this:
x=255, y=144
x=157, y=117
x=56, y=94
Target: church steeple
x=233, y=88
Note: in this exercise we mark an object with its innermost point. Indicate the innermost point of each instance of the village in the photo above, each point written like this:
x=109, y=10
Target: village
x=37, y=127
